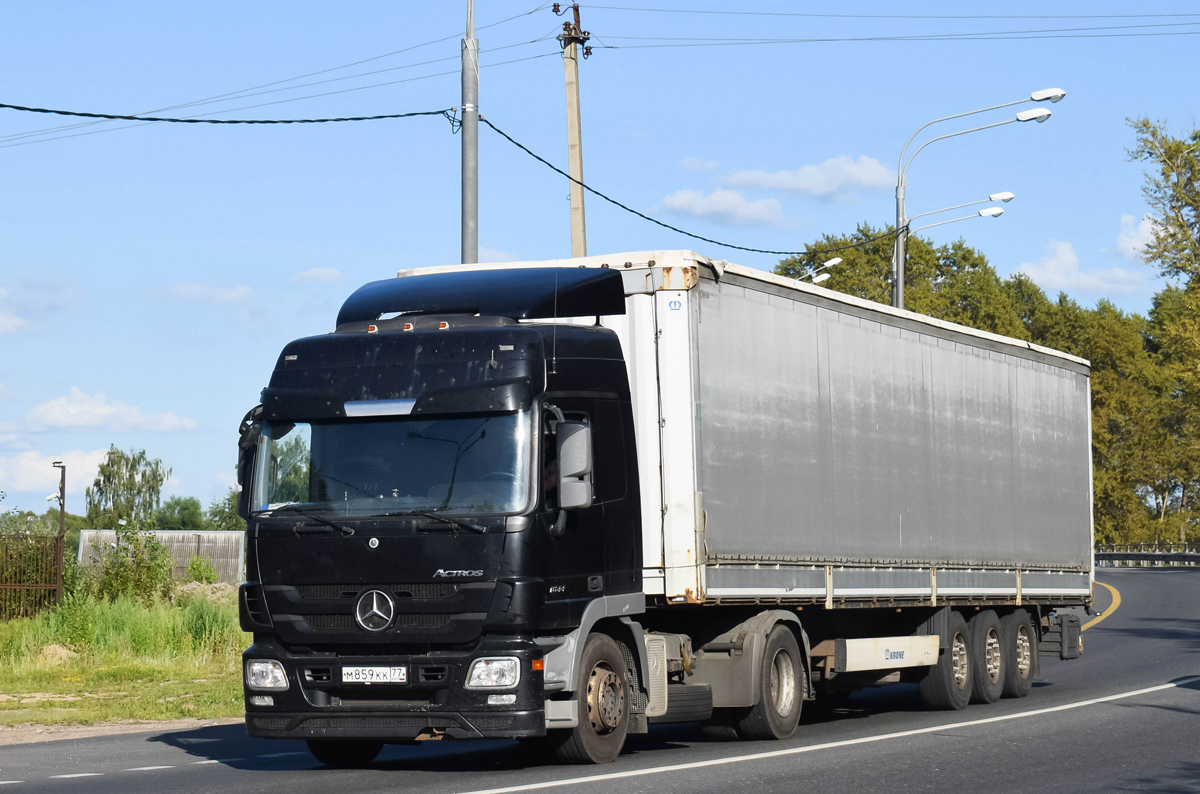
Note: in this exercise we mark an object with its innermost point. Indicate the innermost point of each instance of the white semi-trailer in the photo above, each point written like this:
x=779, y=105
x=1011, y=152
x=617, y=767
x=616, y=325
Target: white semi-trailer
x=573, y=498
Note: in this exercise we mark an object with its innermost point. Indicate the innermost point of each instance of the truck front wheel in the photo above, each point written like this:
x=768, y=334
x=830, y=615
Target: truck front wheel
x=947, y=685
x=602, y=693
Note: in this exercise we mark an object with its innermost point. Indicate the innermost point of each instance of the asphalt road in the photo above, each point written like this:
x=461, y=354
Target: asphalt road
x=1124, y=717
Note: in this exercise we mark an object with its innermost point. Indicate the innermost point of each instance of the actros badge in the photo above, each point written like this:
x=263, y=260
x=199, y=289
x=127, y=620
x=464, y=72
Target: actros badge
x=374, y=610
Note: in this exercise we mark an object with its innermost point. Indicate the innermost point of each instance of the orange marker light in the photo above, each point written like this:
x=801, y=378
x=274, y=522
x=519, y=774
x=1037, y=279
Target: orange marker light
x=408, y=326
x=538, y=664
x=442, y=326
x=372, y=329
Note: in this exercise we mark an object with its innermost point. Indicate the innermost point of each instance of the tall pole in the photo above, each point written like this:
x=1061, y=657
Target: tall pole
x=901, y=234
x=62, y=530
x=470, y=141
x=573, y=36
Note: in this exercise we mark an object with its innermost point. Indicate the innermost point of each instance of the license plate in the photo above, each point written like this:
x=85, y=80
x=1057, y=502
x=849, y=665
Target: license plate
x=374, y=675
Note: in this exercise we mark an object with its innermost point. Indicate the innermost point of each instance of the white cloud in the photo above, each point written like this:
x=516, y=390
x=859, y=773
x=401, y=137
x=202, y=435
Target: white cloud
x=93, y=412
x=495, y=255
x=1134, y=236
x=1059, y=270
x=226, y=480
x=696, y=164
x=727, y=207
x=837, y=178
x=32, y=471
x=26, y=300
x=194, y=292
x=316, y=275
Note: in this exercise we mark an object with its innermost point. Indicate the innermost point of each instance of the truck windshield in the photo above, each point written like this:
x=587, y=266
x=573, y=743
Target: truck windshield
x=470, y=464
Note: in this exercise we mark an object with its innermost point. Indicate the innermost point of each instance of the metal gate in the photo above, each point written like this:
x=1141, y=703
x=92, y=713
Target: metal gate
x=30, y=574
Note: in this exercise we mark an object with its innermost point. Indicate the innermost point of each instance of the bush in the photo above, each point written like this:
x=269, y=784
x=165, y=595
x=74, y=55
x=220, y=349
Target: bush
x=136, y=565
x=201, y=570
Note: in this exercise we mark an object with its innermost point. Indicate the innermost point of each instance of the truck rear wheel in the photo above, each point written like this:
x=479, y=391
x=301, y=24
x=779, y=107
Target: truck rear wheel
x=602, y=693
x=947, y=686
x=344, y=754
x=987, y=657
x=1020, y=647
x=781, y=691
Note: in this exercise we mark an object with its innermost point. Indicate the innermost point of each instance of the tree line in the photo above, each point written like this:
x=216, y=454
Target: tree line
x=1145, y=370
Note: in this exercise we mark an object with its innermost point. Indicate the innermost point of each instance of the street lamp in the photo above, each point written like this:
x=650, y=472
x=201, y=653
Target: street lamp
x=1004, y=196
x=986, y=212
x=1036, y=114
x=837, y=260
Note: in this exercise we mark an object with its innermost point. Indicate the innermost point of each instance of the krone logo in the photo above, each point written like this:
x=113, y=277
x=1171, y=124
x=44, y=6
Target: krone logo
x=374, y=610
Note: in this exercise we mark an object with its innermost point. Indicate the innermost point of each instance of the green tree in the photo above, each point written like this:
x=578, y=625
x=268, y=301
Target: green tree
x=951, y=282
x=222, y=513
x=128, y=486
x=1172, y=171
x=180, y=512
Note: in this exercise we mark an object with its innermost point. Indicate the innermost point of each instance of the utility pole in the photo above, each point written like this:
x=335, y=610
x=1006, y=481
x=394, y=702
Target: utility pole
x=470, y=141
x=572, y=38
x=901, y=239
x=62, y=529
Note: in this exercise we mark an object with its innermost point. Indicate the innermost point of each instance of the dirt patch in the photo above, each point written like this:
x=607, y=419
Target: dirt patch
x=27, y=733
x=219, y=593
x=54, y=654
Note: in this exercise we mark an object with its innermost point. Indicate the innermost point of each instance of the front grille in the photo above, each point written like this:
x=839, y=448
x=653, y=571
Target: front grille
x=489, y=723
x=271, y=723
x=347, y=622
x=331, y=592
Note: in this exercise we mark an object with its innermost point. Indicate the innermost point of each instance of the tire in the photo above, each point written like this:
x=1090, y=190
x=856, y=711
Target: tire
x=602, y=692
x=344, y=754
x=781, y=689
x=947, y=685
x=1019, y=640
x=987, y=657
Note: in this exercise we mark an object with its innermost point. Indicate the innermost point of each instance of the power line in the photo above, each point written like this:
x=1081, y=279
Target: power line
x=281, y=101
x=114, y=116
x=886, y=16
x=643, y=216
x=240, y=94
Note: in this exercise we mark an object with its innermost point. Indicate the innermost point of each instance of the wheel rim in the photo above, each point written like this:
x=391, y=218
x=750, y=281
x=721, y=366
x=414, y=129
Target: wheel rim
x=783, y=683
x=1024, y=652
x=605, y=699
x=992, y=656
x=958, y=660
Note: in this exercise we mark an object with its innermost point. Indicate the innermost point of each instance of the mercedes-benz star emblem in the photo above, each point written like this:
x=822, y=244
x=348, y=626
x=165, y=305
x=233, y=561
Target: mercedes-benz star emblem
x=374, y=610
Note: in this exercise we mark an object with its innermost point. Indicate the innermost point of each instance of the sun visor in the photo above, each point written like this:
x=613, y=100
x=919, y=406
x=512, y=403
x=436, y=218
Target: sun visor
x=519, y=293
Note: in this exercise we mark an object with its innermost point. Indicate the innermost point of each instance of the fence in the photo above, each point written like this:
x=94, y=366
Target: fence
x=30, y=574
x=1147, y=555
x=224, y=550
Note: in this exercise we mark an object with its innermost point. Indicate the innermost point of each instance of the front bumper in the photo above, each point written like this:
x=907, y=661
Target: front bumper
x=434, y=703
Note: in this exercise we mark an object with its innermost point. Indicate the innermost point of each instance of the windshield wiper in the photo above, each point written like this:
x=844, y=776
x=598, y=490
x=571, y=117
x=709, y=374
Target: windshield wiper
x=293, y=508
x=433, y=513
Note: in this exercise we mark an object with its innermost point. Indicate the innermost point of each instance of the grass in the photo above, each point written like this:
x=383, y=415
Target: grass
x=131, y=661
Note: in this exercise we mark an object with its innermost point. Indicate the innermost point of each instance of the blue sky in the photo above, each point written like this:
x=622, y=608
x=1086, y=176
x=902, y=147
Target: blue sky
x=149, y=275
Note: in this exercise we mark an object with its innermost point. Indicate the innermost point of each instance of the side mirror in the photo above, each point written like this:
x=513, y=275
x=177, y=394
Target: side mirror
x=574, y=465
x=249, y=432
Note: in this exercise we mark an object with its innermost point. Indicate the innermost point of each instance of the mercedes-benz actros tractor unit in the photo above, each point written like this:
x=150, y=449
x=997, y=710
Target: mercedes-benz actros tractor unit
x=569, y=499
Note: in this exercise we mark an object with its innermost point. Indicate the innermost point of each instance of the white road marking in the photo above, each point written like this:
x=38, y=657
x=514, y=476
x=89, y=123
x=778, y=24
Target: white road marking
x=281, y=755
x=77, y=774
x=830, y=745
x=148, y=768
x=6, y=782
x=217, y=761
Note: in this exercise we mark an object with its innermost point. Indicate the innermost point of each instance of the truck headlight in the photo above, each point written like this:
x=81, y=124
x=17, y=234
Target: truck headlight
x=494, y=673
x=265, y=674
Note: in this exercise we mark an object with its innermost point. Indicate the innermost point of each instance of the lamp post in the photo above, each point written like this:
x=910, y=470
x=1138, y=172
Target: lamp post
x=1038, y=114
x=837, y=260
x=986, y=212
x=62, y=529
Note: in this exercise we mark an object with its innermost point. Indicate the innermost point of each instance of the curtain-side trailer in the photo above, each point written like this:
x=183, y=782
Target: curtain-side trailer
x=568, y=499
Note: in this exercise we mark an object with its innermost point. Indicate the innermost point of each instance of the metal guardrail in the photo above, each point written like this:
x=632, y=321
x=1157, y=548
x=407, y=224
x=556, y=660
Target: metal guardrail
x=1147, y=555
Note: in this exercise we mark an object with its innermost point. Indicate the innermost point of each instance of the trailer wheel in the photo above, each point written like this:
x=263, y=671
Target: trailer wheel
x=781, y=691
x=1020, y=647
x=987, y=657
x=602, y=692
x=947, y=684
x=344, y=754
